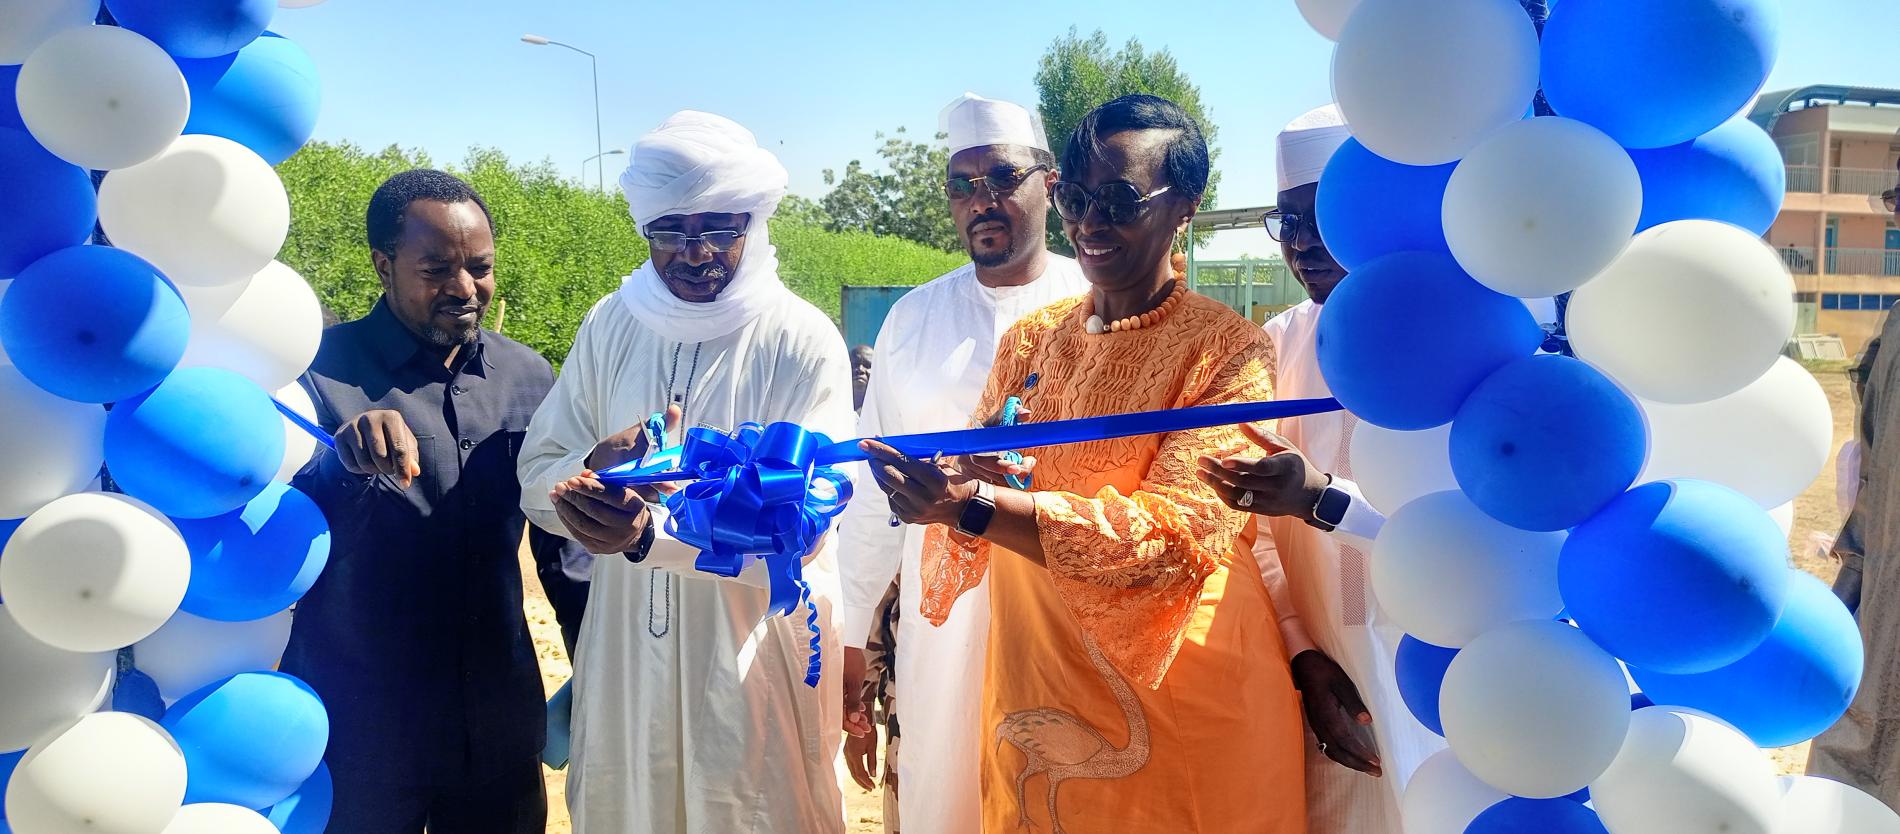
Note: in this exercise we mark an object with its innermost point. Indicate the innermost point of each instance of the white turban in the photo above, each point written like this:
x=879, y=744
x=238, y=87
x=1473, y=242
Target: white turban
x=972, y=121
x=1308, y=144
x=699, y=163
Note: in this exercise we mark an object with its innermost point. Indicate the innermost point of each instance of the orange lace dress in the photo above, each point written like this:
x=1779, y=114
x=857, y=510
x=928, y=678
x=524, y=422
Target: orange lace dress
x=1138, y=682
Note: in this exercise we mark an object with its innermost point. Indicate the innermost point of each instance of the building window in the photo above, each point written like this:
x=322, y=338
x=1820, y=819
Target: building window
x=1804, y=298
x=1871, y=302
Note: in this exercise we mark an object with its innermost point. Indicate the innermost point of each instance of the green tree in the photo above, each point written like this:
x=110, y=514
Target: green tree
x=560, y=247
x=904, y=201
x=1079, y=74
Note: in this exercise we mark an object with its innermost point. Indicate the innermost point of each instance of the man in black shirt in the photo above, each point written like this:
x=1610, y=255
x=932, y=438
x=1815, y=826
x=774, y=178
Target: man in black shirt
x=414, y=635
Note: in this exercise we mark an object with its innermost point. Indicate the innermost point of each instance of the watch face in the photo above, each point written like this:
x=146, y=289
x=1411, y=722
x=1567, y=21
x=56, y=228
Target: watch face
x=1332, y=506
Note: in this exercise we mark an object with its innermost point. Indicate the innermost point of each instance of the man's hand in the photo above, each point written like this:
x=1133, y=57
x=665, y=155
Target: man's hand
x=379, y=443
x=1335, y=712
x=631, y=445
x=604, y=519
x=1284, y=483
x=860, y=743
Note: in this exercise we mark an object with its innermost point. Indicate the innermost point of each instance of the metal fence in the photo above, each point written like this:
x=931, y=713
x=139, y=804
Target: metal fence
x=1842, y=261
x=1858, y=181
x=1800, y=259
x=1253, y=288
x=1804, y=179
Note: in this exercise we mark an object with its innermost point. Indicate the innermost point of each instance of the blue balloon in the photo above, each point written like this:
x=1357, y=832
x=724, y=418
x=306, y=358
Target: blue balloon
x=1370, y=206
x=1546, y=442
x=1733, y=173
x=135, y=692
x=254, y=562
x=201, y=444
x=1406, y=338
x=264, y=96
x=9, y=103
x=195, y=28
x=250, y=739
x=1518, y=815
x=8, y=761
x=1640, y=701
x=1421, y=672
x=93, y=324
x=1655, y=73
x=1680, y=577
x=48, y=202
x=1797, y=683
x=308, y=810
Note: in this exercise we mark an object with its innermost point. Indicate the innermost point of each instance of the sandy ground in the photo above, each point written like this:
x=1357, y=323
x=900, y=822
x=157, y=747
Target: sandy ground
x=1816, y=517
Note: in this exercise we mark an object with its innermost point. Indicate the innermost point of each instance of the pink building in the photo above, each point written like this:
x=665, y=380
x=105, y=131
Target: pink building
x=1840, y=145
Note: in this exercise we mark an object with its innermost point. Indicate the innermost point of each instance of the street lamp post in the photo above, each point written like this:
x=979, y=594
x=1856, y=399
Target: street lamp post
x=602, y=156
x=538, y=40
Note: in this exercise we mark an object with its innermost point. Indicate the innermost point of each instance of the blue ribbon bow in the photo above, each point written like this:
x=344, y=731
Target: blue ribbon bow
x=758, y=497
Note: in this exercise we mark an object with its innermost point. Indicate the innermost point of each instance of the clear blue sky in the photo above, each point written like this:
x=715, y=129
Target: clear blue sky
x=816, y=79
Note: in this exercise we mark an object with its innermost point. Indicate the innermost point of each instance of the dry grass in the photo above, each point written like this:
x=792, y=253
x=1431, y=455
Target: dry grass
x=1815, y=516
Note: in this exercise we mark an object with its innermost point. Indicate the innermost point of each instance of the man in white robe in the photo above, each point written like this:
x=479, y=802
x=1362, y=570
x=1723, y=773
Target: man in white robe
x=691, y=713
x=934, y=355
x=1316, y=531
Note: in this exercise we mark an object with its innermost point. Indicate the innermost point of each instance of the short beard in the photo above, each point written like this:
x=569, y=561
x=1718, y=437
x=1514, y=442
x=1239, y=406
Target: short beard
x=681, y=272
x=451, y=338
x=995, y=259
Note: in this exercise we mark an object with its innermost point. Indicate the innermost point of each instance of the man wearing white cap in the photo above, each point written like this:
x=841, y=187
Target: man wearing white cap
x=934, y=353
x=691, y=713
x=1316, y=531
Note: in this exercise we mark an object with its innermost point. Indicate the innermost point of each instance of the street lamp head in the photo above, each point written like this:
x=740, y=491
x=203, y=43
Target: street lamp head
x=537, y=40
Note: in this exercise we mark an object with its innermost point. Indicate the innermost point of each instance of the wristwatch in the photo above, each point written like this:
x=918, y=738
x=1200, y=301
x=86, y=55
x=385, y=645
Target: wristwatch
x=978, y=511
x=1330, y=509
x=640, y=549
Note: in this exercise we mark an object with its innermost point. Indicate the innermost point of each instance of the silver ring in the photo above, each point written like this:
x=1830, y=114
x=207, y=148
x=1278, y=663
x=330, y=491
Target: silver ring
x=1322, y=747
x=1246, y=500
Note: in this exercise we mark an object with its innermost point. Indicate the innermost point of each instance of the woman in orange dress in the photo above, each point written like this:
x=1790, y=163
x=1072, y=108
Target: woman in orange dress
x=1136, y=678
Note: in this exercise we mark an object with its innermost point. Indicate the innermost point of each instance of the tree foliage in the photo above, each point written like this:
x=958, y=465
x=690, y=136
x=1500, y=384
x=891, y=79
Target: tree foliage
x=1079, y=74
x=560, y=247
x=905, y=200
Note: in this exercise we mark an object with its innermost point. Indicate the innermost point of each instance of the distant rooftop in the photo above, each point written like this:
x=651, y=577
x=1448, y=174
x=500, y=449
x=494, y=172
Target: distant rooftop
x=1874, y=110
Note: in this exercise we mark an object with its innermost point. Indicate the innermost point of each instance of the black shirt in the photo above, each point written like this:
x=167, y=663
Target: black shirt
x=414, y=634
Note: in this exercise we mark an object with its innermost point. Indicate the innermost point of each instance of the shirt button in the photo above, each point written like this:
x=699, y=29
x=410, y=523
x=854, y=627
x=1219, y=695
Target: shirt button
x=467, y=444
x=456, y=390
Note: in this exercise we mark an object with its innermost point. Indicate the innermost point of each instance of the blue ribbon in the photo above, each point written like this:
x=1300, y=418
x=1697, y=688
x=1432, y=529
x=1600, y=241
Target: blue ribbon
x=755, y=496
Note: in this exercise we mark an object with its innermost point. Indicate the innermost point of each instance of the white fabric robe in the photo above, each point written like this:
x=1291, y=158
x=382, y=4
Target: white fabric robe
x=933, y=358
x=1329, y=582
x=708, y=727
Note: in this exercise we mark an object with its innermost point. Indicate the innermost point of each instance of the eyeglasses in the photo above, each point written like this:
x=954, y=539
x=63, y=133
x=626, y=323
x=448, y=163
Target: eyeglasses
x=1120, y=202
x=1284, y=226
x=721, y=240
x=999, y=183
x=1891, y=199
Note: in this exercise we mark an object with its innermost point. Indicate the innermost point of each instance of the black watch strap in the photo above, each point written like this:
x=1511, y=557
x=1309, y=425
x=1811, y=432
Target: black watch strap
x=639, y=552
x=978, y=511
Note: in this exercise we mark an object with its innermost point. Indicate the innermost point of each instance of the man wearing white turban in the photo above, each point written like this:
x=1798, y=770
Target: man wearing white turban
x=934, y=352
x=1315, y=531
x=691, y=714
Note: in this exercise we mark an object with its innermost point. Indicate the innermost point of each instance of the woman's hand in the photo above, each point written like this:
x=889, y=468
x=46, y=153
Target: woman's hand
x=1335, y=712
x=920, y=491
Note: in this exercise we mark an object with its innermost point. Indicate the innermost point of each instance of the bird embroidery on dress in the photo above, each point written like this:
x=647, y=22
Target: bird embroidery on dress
x=1063, y=746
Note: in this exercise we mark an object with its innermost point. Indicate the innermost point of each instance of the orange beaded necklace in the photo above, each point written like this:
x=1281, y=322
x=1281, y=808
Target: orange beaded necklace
x=1097, y=326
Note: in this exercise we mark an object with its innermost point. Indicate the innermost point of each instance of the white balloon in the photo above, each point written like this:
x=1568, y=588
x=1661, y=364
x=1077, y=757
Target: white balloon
x=109, y=772
x=1681, y=771
x=52, y=446
x=1692, y=311
x=1768, y=441
x=1784, y=518
x=269, y=334
x=102, y=97
x=1447, y=572
x=206, y=211
x=298, y=444
x=1424, y=83
x=1443, y=797
x=211, y=302
x=216, y=818
x=1534, y=708
x=94, y=572
x=43, y=687
x=1327, y=17
x=30, y=22
x=189, y=652
x=1395, y=468
x=1542, y=206
x=1812, y=805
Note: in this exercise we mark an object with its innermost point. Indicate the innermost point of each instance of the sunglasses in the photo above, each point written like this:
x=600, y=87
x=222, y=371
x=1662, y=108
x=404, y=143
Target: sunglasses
x=714, y=241
x=1120, y=202
x=1891, y=199
x=1000, y=183
x=1284, y=226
